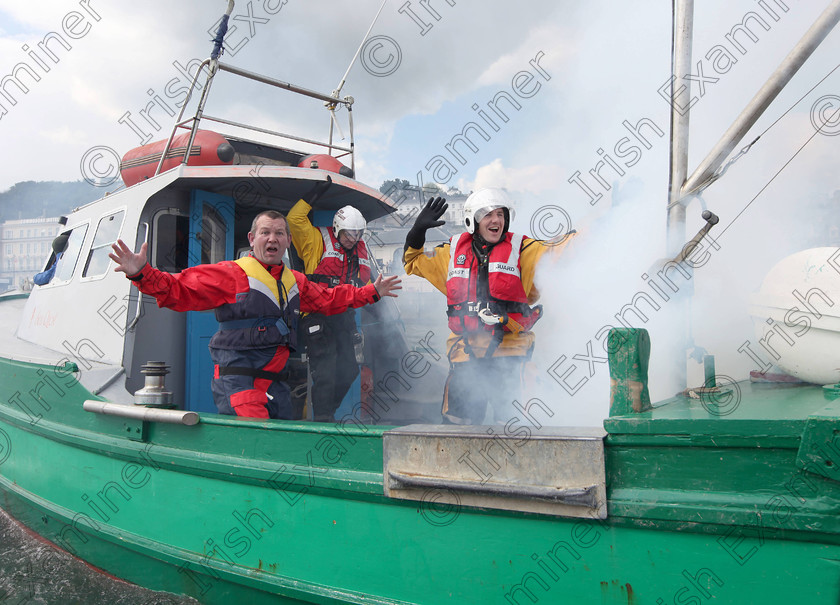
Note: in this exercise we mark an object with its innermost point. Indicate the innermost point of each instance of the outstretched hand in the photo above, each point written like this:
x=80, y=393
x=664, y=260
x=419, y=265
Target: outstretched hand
x=128, y=262
x=430, y=214
x=314, y=194
x=385, y=286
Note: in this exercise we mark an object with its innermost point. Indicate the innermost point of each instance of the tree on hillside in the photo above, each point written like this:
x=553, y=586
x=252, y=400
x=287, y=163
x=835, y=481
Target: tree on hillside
x=392, y=185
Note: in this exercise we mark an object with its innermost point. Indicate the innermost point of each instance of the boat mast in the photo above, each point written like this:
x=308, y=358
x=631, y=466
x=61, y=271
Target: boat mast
x=683, y=25
x=681, y=187
x=331, y=106
x=682, y=35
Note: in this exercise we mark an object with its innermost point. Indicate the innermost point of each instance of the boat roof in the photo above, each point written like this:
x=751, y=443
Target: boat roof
x=284, y=186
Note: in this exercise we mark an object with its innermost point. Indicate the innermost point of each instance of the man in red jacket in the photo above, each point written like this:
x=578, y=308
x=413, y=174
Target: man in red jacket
x=258, y=301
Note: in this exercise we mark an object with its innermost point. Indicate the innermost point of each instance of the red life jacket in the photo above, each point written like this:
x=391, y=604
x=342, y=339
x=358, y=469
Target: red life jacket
x=504, y=274
x=333, y=268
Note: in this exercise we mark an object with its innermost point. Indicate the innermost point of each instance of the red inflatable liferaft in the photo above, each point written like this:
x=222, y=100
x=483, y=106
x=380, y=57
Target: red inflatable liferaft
x=325, y=162
x=209, y=149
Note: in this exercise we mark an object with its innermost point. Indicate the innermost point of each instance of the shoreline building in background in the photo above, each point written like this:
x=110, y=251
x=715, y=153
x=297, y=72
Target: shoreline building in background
x=25, y=246
x=386, y=235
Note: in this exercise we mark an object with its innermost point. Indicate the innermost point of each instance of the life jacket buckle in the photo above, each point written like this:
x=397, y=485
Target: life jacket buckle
x=491, y=319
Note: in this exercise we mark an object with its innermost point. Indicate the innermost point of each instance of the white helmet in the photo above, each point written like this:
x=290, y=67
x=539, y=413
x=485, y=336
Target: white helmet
x=480, y=203
x=348, y=218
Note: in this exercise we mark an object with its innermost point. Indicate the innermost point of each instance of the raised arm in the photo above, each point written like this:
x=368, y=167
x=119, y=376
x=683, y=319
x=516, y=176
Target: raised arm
x=428, y=218
x=305, y=238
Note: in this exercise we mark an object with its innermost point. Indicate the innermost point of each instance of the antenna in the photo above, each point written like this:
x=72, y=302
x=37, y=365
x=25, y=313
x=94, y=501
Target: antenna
x=337, y=91
x=349, y=67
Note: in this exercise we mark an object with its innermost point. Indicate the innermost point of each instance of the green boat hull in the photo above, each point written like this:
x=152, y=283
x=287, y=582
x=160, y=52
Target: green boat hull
x=700, y=508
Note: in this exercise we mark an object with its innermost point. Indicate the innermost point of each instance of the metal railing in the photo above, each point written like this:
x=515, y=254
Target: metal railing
x=213, y=67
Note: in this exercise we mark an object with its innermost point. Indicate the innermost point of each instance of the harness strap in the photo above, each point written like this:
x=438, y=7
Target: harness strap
x=498, y=335
x=329, y=280
x=473, y=308
x=254, y=373
x=261, y=323
x=332, y=281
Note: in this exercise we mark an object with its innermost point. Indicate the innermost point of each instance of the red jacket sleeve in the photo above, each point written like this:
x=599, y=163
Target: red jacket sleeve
x=196, y=288
x=317, y=298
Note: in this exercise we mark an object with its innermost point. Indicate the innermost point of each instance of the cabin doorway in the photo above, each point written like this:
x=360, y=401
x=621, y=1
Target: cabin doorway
x=211, y=241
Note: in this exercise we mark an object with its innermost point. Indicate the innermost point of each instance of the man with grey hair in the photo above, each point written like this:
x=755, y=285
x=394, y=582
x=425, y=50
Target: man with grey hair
x=258, y=301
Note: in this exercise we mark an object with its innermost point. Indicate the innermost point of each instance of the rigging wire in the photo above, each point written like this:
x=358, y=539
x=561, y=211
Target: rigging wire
x=331, y=107
x=829, y=120
x=337, y=91
x=744, y=150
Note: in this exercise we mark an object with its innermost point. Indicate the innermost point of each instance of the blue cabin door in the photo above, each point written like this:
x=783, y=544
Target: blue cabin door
x=211, y=241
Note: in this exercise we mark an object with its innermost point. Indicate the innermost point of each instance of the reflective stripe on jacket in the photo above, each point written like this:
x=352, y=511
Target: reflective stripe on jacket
x=333, y=268
x=264, y=316
x=506, y=293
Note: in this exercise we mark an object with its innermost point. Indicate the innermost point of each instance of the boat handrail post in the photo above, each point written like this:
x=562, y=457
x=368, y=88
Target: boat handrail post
x=179, y=121
x=330, y=100
x=682, y=38
x=212, y=70
x=199, y=110
x=250, y=75
x=284, y=135
x=683, y=33
x=628, y=350
x=137, y=313
x=352, y=140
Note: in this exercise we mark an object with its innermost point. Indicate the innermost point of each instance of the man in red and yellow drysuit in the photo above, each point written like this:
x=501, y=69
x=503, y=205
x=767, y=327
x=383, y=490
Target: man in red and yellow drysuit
x=257, y=300
x=331, y=256
x=487, y=275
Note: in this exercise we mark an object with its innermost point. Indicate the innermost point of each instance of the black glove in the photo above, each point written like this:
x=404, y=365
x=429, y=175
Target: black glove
x=427, y=219
x=314, y=194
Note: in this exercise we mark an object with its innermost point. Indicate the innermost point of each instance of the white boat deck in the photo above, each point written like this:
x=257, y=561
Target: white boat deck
x=94, y=376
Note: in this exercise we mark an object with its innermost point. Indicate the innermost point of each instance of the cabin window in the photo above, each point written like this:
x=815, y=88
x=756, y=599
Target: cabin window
x=67, y=263
x=212, y=236
x=170, y=252
x=107, y=232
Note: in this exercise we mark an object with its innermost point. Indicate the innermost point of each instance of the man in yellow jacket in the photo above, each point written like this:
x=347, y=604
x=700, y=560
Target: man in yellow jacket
x=487, y=275
x=331, y=256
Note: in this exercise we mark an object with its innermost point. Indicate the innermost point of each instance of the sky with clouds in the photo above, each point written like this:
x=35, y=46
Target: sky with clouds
x=556, y=87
